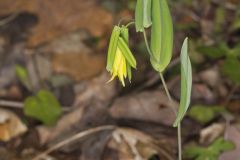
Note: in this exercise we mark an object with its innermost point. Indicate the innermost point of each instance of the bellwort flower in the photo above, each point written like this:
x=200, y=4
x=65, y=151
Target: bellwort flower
x=120, y=59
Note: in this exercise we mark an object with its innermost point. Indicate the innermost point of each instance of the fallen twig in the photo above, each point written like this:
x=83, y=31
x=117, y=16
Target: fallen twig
x=72, y=139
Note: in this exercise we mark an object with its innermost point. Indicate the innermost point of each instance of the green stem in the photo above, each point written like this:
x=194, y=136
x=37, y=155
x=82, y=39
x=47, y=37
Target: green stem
x=170, y=99
x=179, y=142
x=146, y=42
x=179, y=126
x=165, y=87
x=130, y=23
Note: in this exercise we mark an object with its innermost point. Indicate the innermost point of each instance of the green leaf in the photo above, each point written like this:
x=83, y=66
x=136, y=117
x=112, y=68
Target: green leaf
x=44, y=107
x=186, y=83
x=236, y=23
x=147, y=9
x=235, y=52
x=126, y=52
x=161, y=35
x=230, y=69
x=220, y=19
x=214, y=51
x=204, y=114
x=221, y=145
x=22, y=75
x=139, y=16
x=208, y=153
x=143, y=15
x=113, y=47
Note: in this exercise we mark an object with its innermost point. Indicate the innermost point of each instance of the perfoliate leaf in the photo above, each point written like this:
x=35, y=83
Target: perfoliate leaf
x=44, y=107
x=147, y=13
x=22, y=75
x=161, y=35
x=113, y=47
x=139, y=16
x=186, y=83
x=143, y=15
x=126, y=52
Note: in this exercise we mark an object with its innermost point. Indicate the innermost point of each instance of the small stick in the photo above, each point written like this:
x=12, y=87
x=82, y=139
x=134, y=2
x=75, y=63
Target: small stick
x=72, y=139
x=11, y=104
x=8, y=19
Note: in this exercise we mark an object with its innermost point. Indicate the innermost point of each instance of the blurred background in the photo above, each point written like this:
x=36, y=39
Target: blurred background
x=53, y=83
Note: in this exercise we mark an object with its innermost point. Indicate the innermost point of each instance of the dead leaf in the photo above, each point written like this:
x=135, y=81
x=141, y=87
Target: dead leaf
x=12, y=92
x=10, y=125
x=209, y=134
x=44, y=67
x=72, y=57
x=151, y=106
x=97, y=89
x=130, y=144
x=57, y=17
x=210, y=76
x=233, y=134
x=78, y=66
x=234, y=106
x=68, y=43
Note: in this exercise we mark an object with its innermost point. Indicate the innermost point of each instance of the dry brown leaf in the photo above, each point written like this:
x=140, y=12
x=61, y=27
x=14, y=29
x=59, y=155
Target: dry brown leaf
x=97, y=89
x=130, y=144
x=151, y=106
x=68, y=43
x=78, y=66
x=209, y=134
x=57, y=17
x=233, y=134
x=10, y=125
x=210, y=76
x=234, y=106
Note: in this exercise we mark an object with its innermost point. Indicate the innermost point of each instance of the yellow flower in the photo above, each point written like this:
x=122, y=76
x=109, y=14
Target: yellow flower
x=119, y=67
x=120, y=58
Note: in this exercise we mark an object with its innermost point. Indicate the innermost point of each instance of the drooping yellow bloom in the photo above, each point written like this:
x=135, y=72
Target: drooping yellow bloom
x=120, y=58
x=119, y=67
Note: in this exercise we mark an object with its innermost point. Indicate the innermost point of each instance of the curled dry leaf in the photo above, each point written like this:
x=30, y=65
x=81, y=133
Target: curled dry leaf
x=151, y=106
x=130, y=144
x=10, y=125
x=209, y=134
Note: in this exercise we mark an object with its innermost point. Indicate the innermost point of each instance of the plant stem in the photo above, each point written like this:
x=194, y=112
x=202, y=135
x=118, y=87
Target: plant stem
x=146, y=42
x=130, y=23
x=179, y=126
x=179, y=142
x=170, y=99
x=165, y=87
